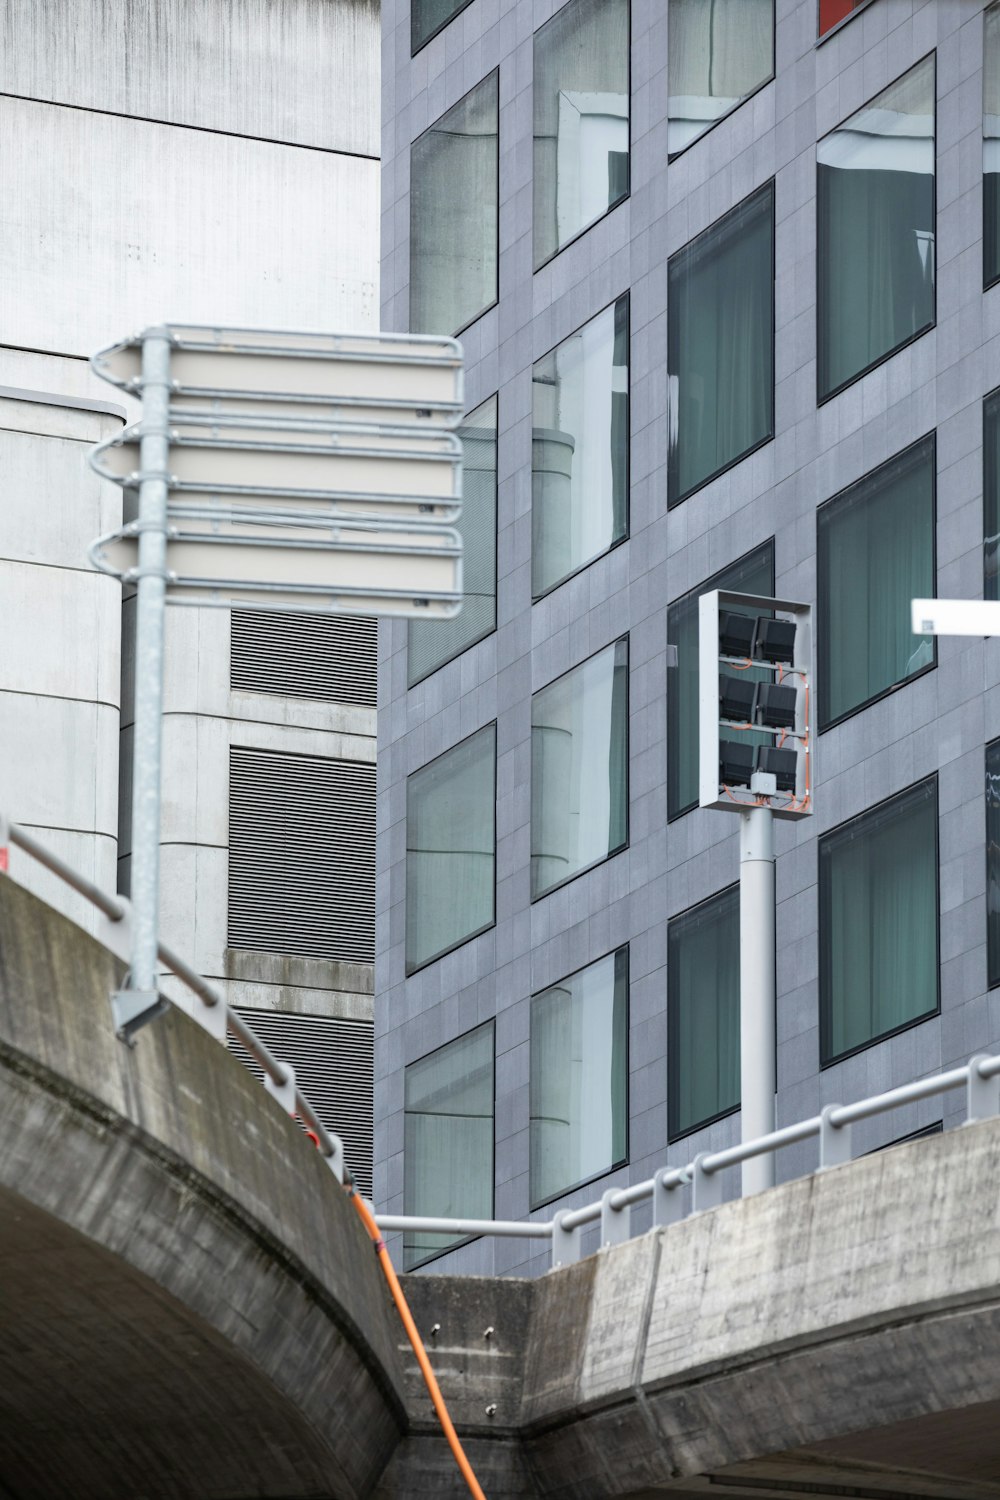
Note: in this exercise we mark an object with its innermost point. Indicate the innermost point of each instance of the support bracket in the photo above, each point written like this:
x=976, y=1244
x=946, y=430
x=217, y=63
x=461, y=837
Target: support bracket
x=134, y=1009
x=983, y=1094
x=565, y=1242
x=834, y=1140
x=283, y=1092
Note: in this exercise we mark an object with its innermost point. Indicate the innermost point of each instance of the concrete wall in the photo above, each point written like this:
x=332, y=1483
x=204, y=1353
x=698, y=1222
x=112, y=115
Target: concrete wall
x=209, y=163
x=938, y=723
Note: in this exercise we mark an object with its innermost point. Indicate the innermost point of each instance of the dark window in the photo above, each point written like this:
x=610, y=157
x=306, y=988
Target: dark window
x=720, y=346
x=991, y=145
x=427, y=17
x=993, y=861
x=991, y=496
x=875, y=230
x=878, y=922
x=875, y=553
x=703, y=1013
x=753, y=574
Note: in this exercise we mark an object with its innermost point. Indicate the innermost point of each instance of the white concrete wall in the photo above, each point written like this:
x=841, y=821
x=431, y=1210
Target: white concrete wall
x=163, y=159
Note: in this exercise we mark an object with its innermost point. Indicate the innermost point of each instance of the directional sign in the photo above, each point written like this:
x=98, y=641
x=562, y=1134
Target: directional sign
x=390, y=379
x=955, y=616
x=352, y=471
x=417, y=572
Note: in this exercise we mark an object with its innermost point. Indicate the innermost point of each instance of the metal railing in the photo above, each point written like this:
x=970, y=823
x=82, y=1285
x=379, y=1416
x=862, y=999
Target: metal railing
x=980, y=1078
x=209, y=1007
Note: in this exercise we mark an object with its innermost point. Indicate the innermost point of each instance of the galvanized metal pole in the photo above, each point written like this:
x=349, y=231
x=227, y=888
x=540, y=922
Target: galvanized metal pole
x=139, y=1002
x=757, y=998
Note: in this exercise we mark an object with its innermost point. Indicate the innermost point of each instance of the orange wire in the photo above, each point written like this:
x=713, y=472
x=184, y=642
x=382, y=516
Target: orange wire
x=430, y=1379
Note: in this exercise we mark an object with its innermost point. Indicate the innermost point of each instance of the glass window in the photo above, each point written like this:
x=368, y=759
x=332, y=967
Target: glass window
x=581, y=120
x=579, y=448
x=448, y=1139
x=454, y=186
x=703, y=1013
x=720, y=345
x=875, y=553
x=430, y=643
x=875, y=229
x=991, y=146
x=878, y=922
x=450, y=848
x=753, y=574
x=833, y=11
x=993, y=862
x=428, y=16
x=991, y=496
x=579, y=769
x=718, y=52
x=579, y=1077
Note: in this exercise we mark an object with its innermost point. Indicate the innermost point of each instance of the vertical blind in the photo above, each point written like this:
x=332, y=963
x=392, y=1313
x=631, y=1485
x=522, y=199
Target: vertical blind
x=579, y=768
x=333, y=1066
x=703, y=1013
x=579, y=448
x=579, y=1077
x=301, y=855
x=875, y=229
x=454, y=186
x=878, y=904
x=875, y=553
x=448, y=1138
x=450, y=848
x=331, y=658
x=720, y=345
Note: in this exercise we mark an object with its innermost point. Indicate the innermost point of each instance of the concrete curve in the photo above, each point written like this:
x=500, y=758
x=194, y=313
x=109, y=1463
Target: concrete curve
x=188, y=1304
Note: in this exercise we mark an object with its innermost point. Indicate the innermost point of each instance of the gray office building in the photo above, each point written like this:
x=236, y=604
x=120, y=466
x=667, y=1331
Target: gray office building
x=725, y=277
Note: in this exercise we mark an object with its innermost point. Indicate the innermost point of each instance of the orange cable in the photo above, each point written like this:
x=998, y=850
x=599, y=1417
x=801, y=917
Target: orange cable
x=430, y=1379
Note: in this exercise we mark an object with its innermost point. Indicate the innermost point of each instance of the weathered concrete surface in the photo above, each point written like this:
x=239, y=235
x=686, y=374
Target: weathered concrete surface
x=188, y=1305
x=839, y=1335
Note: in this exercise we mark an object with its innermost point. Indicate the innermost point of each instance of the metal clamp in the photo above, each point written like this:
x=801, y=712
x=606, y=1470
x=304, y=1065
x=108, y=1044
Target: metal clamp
x=982, y=1094
x=834, y=1140
x=614, y=1221
x=668, y=1199
x=706, y=1187
x=565, y=1242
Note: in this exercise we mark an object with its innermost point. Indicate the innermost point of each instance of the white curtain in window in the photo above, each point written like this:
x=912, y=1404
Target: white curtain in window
x=718, y=51
x=579, y=781
x=448, y=1138
x=578, y=1077
x=450, y=826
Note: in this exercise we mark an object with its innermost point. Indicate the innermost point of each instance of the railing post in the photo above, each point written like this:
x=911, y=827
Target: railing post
x=706, y=1187
x=668, y=1202
x=283, y=1092
x=834, y=1140
x=212, y=1017
x=614, y=1221
x=565, y=1242
x=982, y=1094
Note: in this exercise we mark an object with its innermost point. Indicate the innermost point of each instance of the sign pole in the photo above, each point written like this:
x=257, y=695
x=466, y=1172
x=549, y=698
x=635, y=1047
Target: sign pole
x=139, y=1002
x=757, y=990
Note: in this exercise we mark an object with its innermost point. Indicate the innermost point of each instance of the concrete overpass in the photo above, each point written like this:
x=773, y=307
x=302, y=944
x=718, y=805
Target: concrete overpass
x=189, y=1309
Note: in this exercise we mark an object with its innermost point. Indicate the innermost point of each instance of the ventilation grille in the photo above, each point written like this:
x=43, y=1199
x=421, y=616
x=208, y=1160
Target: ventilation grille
x=333, y=1068
x=302, y=855
x=327, y=657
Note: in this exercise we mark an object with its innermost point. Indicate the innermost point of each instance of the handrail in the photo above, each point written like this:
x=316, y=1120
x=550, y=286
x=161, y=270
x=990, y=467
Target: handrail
x=980, y=1077
x=222, y=1016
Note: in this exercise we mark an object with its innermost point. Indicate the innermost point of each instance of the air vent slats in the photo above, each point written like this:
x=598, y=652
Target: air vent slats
x=330, y=658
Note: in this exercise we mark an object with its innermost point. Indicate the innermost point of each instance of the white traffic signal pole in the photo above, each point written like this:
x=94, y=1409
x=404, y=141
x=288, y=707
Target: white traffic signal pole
x=757, y=991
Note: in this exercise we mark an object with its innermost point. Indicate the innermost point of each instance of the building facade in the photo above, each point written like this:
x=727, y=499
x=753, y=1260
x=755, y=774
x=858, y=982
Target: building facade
x=210, y=164
x=725, y=280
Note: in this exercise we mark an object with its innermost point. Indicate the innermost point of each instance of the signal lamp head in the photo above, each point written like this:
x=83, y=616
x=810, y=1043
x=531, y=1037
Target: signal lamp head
x=736, y=763
x=781, y=764
x=775, y=641
x=776, y=706
x=736, y=634
x=736, y=699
